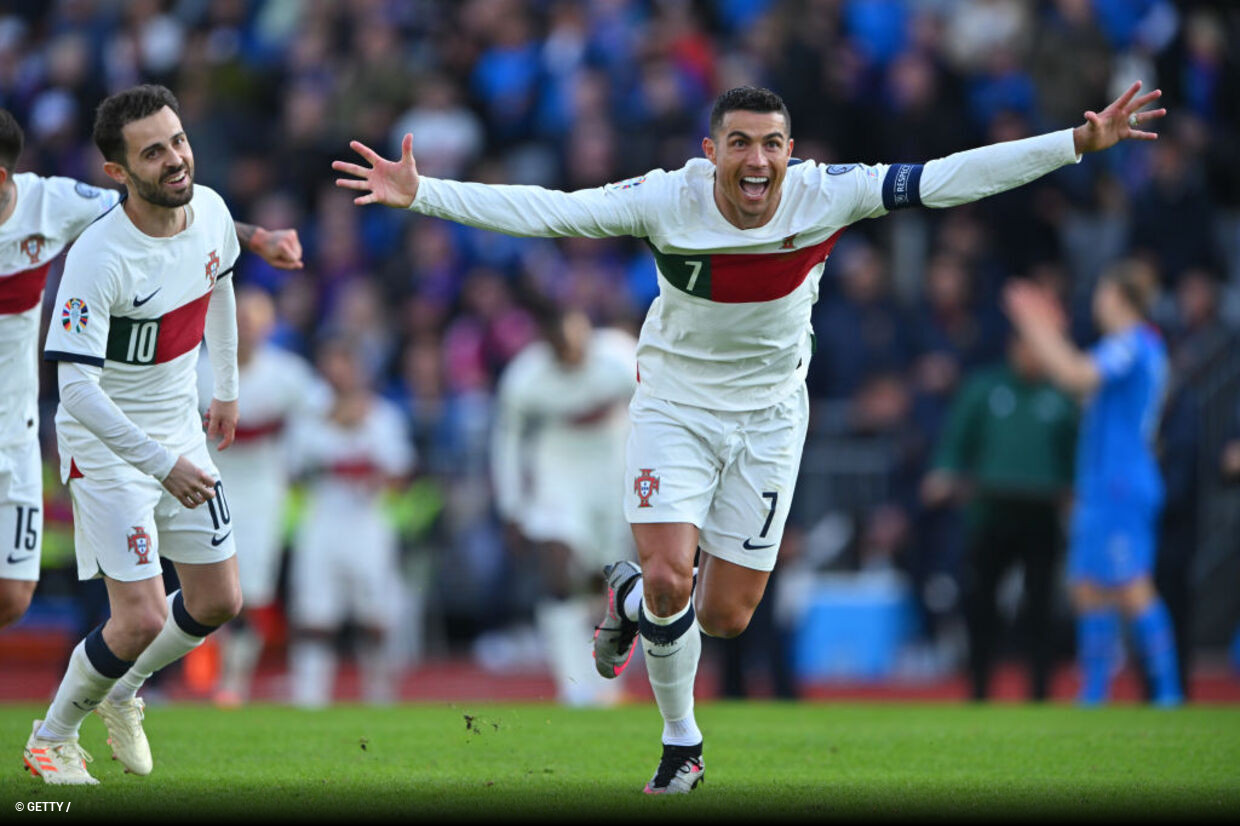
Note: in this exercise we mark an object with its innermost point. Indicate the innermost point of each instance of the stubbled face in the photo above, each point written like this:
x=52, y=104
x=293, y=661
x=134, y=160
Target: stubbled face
x=750, y=153
x=159, y=165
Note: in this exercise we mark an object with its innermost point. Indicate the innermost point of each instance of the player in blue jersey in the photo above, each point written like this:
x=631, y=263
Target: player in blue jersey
x=1119, y=490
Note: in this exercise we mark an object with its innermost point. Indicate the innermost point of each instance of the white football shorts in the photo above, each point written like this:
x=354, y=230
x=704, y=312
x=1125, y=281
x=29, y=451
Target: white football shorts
x=21, y=511
x=580, y=506
x=344, y=565
x=731, y=474
x=258, y=513
x=123, y=527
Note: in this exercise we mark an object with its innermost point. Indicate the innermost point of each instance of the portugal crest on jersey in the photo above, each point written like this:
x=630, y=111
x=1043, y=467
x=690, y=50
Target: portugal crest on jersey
x=31, y=246
x=213, y=267
x=140, y=544
x=75, y=315
x=645, y=486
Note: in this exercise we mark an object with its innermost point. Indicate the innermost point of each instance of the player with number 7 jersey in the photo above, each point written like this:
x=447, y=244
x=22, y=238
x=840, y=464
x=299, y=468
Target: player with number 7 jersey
x=740, y=239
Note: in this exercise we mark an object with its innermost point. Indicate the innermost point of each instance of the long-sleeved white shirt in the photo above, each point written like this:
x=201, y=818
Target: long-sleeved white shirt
x=730, y=329
x=133, y=311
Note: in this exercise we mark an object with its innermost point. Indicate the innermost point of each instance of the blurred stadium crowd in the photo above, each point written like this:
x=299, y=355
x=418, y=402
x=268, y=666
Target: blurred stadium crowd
x=576, y=94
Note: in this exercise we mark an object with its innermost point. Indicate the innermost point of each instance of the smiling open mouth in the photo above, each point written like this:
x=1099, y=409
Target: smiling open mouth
x=178, y=178
x=754, y=187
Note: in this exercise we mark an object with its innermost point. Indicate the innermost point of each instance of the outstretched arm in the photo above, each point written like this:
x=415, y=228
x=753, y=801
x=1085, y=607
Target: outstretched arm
x=278, y=247
x=988, y=170
x=1041, y=323
x=515, y=210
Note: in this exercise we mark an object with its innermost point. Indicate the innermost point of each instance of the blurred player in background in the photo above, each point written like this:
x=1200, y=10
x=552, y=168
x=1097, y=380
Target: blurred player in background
x=345, y=560
x=275, y=387
x=721, y=411
x=557, y=463
x=141, y=289
x=1119, y=487
x=39, y=217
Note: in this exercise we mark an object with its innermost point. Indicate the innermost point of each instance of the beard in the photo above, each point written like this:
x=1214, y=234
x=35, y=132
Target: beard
x=153, y=191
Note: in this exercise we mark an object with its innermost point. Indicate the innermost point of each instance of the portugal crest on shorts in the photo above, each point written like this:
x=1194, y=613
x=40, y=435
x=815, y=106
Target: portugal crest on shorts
x=140, y=544
x=645, y=486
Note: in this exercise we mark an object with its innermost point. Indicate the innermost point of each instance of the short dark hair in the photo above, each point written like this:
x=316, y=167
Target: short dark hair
x=124, y=108
x=748, y=99
x=11, y=140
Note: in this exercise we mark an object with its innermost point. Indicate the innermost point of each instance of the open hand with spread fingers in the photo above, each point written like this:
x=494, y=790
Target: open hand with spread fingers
x=391, y=183
x=1117, y=122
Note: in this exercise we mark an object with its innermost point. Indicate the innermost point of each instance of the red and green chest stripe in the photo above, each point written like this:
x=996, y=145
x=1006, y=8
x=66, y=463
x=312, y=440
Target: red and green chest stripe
x=737, y=278
x=158, y=340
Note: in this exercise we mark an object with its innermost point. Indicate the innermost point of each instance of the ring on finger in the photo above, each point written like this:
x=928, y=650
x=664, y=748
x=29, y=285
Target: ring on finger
x=1132, y=120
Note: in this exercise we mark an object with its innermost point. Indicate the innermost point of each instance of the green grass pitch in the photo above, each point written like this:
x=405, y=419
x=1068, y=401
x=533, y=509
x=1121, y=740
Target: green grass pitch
x=424, y=763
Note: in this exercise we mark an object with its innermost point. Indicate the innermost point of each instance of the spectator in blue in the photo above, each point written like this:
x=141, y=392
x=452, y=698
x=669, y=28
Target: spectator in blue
x=1119, y=488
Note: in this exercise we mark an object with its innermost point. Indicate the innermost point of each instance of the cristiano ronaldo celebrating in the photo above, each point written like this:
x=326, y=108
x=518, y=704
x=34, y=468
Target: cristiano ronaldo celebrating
x=740, y=239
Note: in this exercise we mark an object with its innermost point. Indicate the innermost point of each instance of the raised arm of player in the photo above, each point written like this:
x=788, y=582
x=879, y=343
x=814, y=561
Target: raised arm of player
x=616, y=209
x=278, y=247
x=973, y=174
x=1040, y=321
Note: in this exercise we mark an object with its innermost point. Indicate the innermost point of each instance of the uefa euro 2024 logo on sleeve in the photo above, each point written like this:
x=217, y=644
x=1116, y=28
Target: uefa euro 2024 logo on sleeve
x=75, y=315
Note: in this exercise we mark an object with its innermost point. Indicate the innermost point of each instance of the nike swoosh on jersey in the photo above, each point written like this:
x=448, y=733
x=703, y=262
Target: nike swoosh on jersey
x=749, y=547
x=13, y=561
x=216, y=540
x=138, y=302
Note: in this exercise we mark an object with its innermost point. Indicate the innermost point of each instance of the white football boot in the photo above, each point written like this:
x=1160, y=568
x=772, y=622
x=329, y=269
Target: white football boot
x=125, y=734
x=59, y=762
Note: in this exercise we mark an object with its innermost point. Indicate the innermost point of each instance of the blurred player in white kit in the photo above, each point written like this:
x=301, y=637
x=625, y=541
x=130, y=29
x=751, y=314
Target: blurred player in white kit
x=345, y=560
x=276, y=386
x=557, y=462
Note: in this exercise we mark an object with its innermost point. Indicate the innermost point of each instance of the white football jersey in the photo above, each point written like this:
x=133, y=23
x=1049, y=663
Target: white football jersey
x=730, y=329
x=48, y=215
x=554, y=422
x=344, y=466
x=136, y=306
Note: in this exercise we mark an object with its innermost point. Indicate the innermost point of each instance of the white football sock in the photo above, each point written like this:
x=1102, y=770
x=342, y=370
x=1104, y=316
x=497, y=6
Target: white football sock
x=673, y=646
x=81, y=689
x=378, y=676
x=240, y=651
x=312, y=665
x=171, y=644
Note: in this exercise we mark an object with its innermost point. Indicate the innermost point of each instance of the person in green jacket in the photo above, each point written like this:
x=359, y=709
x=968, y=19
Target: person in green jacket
x=1007, y=450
